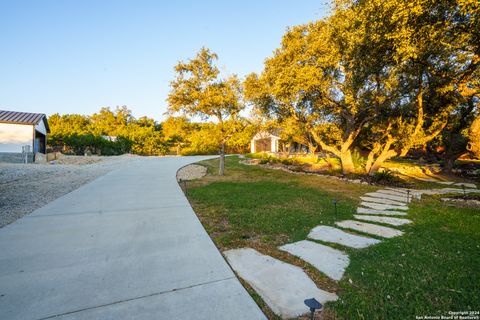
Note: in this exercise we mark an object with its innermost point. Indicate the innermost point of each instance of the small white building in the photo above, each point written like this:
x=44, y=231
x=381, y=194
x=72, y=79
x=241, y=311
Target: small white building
x=21, y=132
x=110, y=138
x=265, y=142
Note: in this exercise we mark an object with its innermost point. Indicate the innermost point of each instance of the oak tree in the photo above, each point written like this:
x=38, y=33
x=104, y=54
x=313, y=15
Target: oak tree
x=199, y=91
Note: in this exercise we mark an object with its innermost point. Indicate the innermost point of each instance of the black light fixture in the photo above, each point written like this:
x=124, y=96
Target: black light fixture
x=313, y=304
x=335, y=204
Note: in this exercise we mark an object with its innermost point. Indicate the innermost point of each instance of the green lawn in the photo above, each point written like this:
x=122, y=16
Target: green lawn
x=434, y=268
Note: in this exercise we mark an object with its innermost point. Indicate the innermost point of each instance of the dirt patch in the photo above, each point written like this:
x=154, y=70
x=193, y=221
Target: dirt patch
x=26, y=187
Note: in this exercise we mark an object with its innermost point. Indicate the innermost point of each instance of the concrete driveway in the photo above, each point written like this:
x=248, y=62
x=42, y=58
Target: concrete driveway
x=125, y=246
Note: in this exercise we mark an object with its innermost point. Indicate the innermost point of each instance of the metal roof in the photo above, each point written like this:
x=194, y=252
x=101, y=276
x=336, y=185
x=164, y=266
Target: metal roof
x=23, y=118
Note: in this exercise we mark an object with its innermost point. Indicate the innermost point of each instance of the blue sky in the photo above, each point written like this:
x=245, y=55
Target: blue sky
x=77, y=56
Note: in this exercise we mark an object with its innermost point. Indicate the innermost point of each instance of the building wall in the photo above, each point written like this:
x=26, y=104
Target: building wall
x=257, y=144
x=263, y=145
x=40, y=127
x=14, y=136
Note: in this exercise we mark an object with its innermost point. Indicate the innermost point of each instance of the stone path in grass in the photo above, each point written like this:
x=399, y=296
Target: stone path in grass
x=384, y=220
x=334, y=235
x=382, y=206
x=281, y=285
x=284, y=286
x=330, y=261
x=361, y=210
x=385, y=232
x=382, y=201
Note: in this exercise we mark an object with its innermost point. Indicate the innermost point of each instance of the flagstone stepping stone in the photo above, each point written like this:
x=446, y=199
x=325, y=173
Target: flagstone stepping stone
x=380, y=212
x=386, y=220
x=379, y=206
x=393, y=192
x=374, y=229
x=445, y=182
x=330, y=261
x=382, y=201
x=384, y=195
x=282, y=286
x=466, y=185
x=396, y=189
x=332, y=234
x=448, y=190
x=426, y=179
x=405, y=192
x=412, y=194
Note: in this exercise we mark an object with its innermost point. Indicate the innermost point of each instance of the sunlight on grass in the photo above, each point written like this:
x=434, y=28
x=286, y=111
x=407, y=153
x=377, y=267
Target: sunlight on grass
x=432, y=269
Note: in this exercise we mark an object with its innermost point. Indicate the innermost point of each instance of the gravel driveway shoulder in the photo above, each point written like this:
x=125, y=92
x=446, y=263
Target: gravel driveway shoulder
x=27, y=187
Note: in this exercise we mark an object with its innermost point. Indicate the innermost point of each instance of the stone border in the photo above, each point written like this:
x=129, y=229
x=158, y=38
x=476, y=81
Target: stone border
x=256, y=162
x=191, y=172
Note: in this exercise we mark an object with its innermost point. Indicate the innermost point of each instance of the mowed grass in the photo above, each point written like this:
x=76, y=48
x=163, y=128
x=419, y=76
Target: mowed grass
x=434, y=268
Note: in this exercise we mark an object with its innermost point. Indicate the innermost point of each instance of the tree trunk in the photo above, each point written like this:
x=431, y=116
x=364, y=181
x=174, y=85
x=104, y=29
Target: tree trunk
x=456, y=147
x=371, y=156
x=221, y=170
x=343, y=153
x=347, y=162
x=449, y=162
x=290, y=148
x=377, y=165
x=384, y=156
x=311, y=149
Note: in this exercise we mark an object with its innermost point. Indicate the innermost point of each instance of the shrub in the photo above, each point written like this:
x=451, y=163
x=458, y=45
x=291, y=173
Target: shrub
x=358, y=160
x=333, y=163
x=386, y=177
x=287, y=161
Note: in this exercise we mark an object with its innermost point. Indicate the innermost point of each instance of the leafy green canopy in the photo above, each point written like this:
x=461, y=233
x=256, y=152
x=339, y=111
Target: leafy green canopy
x=116, y=132
x=107, y=132
x=384, y=75
x=199, y=91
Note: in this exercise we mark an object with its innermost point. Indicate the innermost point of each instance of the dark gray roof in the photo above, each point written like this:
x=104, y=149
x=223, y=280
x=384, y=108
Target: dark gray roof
x=23, y=118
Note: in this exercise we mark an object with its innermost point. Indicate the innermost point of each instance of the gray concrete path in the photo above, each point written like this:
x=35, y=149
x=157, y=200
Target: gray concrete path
x=125, y=246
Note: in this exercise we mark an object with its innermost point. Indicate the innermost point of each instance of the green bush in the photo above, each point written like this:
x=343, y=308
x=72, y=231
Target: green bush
x=358, y=160
x=333, y=163
x=256, y=155
x=287, y=161
x=80, y=144
x=386, y=177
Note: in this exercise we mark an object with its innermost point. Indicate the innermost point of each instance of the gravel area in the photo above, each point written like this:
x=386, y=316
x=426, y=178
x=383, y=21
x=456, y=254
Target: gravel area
x=191, y=172
x=26, y=187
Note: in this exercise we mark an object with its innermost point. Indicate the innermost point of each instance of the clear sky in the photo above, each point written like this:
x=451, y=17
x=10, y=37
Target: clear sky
x=71, y=56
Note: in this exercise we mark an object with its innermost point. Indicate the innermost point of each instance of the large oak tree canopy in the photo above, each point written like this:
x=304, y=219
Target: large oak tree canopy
x=386, y=75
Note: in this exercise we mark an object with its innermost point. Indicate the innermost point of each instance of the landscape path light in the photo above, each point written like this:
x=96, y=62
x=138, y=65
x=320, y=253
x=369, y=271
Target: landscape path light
x=313, y=304
x=335, y=205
